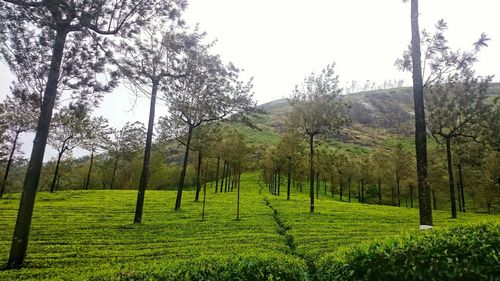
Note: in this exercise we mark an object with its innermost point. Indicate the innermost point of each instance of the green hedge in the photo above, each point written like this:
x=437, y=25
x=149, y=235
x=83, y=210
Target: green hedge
x=465, y=253
x=262, y=267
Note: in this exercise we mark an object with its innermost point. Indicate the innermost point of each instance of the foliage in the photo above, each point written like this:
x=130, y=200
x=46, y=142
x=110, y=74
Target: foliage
x=464, y=253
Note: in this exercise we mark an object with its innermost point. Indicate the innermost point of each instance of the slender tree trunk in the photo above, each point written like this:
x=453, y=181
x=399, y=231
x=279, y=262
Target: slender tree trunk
x=58, y=180
x=459, y=197
x=205, y=192
x=434, y=200
x=56, y=172
x=143, y=182
x=90, y=169
x=183, y=171
x=233, y=176
x=460, y=178
x=332, y=182
x=349, y=188
x=311, y=172
x=363, y=191
x=324, y=185
x=223, y=176
x=217, y=175
x=228, y=175
x=379, y=192
x=424, y=198
x=341, y=186
x=115, y=167
x=27, y=203
x=198, y=178
x=398, y=189
x=279, y=180
x=317, y=185
x=238, y=196
x=9, y=163
x=359, y=192
x=450, y=179
x=289, y=178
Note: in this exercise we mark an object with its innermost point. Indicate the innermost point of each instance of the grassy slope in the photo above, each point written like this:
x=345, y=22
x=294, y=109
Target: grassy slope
x=78, y=233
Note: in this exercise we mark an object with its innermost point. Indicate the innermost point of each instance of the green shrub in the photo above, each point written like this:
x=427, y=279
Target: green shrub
x=465, y=253
x=261, y=267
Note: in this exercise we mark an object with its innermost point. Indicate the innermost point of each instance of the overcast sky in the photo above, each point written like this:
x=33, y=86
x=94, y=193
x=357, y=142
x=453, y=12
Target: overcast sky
x=278, y=42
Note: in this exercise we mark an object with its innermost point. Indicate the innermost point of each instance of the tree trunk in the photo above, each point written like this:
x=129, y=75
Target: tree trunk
x=205, y=192
x=57, y=182
x=398, y=189
x=217, y=175
x=56, y=172
x=324, y=185
x=183, y=171
x=379, y=192
x=289, y=178
x=459, y=197
x=90, y=169
x=9, y=163
x=311, y=172
x=115, y=167
x=424, y=199
x=26, y=205
x=331, y=180
x=349, y=188
x=198, y=178
x=223, y=176
x=341, y=186
x=228, y=176
x=238, y=196
x=317, y=185
x=434, y=200
x=460, y=178
x=359, y=192
x=363, y=191
x=143, y=182
x=450, y=179
x=279, y=180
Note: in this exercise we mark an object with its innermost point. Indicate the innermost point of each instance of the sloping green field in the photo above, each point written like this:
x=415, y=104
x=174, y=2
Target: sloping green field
x=79, y=234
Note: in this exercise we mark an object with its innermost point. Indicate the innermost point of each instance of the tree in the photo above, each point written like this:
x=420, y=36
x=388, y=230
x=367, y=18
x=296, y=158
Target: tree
x=147, y=60
x=209, y=92
x=317, y=110
x=400, y=160
x=457, y=102
x=60, y=24
x=424, y=199
x=125, y=142
x=380, y=161
x=95, y=136
x=66, y=133
x=18, y=116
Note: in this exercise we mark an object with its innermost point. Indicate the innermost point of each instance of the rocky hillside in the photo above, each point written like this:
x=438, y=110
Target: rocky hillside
x=375, y=115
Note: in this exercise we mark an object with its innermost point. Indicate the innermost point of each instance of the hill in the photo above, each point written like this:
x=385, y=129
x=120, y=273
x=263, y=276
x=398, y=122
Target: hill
x=89, y=235
x=376, y=117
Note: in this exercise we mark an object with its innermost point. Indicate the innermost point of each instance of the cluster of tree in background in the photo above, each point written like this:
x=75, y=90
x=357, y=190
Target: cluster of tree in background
x=66, y=55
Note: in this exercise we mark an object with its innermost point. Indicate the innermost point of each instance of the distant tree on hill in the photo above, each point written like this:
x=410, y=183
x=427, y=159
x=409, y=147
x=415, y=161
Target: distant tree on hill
x=401, y=165
x=317, y=110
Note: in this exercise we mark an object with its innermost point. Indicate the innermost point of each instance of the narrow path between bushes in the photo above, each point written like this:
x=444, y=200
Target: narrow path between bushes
x=282, y=230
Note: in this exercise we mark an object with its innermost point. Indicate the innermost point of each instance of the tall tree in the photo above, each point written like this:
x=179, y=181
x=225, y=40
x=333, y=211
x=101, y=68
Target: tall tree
x=317, y=110
x=424, y=196
x=63, y=23
x=125, y=142
x=66, y=134
x=209, y=92
x=18, y=115
x=147, y=60
x=95, y=136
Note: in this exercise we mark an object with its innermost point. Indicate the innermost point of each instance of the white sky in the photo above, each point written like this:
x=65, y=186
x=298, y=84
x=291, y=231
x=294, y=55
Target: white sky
x=278, y=42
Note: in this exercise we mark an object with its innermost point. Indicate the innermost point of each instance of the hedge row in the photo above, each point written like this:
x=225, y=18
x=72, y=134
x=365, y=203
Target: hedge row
x=464, y=253
x=261, y=267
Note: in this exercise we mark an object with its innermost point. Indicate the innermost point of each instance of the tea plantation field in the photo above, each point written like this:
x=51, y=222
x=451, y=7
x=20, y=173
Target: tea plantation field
x=89, y=235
